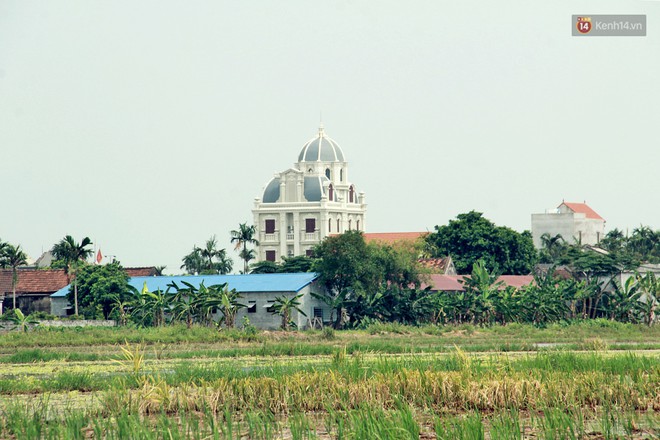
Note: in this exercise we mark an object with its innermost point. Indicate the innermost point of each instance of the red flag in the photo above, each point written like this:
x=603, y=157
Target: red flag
x=99, y=257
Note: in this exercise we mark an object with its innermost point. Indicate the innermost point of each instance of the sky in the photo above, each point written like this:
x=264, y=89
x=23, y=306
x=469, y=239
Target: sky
x=150, y=126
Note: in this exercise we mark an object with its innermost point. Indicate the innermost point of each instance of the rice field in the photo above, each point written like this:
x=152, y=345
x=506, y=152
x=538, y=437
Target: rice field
x=386, y=382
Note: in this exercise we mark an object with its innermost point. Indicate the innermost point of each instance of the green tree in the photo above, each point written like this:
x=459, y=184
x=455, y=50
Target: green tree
x=360, y=278
x=553, y=247
x=208, y=260
x=244, y=236
x=265, y=267
x=297, y=264
x=100, y=288
x=72, y=255
x=12, y=256
x=284, y=306
x=483, y=289
x=471, y=237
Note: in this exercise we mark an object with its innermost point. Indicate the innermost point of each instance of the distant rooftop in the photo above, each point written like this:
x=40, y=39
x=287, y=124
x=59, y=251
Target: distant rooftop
x=582, y=208
x=392, y=237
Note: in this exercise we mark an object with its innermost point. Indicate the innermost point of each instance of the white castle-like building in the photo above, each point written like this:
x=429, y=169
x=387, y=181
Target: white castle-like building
x=301, y=206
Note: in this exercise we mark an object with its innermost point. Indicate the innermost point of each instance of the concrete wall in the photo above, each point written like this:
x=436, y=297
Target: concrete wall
x=59, y=306
x=571, y=226
x=263, y=319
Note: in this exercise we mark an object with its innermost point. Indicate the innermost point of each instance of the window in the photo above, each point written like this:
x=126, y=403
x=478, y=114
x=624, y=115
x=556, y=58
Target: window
x=269, y=306
x=329, y=225
x=309, y=253
x=349, y=224
x=357, y=225
x=270, y=226
x=270, y=255
x=318, y=312
x=252, y=307
x=330, y=192
x=341, y=175
x=350, y=194
x=310, y=225
x=338, y=228
x=327, y=173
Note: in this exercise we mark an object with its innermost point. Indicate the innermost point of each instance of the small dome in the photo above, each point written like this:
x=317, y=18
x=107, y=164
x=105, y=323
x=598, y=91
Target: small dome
x=313, y=187
x=272, y=191
x=321, y=148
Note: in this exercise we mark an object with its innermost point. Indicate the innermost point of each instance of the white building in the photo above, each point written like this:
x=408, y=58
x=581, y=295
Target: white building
x=575, y=222
x=304, y=204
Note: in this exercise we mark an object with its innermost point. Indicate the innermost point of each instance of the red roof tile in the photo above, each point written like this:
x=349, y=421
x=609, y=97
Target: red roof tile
x=34, y=280
x=392, y=237
x=452, y=283
x=51, y=280
x=140, y=271
x=583, y=208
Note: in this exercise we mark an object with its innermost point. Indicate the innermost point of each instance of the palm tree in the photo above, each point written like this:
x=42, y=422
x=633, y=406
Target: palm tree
x=207, y=260
x=192, y=262
x=159, y=270
x=553, y=246
x=72, y=253
x=243, y=236
x=283, y=306
x=12, y=256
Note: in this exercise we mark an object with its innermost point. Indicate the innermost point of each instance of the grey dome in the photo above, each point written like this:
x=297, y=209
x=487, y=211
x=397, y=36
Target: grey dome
x=272, y=191
x=321, y=148
x=313, y=188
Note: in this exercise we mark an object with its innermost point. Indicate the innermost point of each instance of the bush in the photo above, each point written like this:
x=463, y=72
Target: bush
x=328, y=334
x=42, y=316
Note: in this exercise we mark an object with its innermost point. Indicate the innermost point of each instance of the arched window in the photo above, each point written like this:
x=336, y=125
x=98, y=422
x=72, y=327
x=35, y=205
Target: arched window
x=357, y=225
x=349, y=224
x=329, y=225
x=351, y=193
x=327, y=173
x=338, y=226
x=330, y=192
x=341, y=174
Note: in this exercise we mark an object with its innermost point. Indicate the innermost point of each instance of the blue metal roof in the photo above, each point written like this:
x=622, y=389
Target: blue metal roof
x=267, y=282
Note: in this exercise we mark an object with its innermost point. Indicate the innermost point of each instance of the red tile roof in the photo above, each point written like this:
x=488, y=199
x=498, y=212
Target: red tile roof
x=34, y=281
x=583, y=208
x=51, y=280
x=140, y=271
x=452, y=283
x=392, y=237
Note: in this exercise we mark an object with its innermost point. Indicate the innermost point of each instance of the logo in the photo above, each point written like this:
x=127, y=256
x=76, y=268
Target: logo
x=583, y=25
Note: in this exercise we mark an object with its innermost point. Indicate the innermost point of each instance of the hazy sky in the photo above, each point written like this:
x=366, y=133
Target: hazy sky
x=150, y=126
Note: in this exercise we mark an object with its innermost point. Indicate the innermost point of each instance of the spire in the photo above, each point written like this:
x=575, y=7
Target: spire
x=321, y=132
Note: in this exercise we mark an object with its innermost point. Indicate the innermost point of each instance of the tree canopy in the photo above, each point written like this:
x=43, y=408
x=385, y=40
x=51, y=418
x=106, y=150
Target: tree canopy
x=99, y=289
x=471, y=237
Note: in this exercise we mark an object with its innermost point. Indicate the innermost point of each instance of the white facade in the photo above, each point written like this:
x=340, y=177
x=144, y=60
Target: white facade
x=301, y=206
x=576, y=222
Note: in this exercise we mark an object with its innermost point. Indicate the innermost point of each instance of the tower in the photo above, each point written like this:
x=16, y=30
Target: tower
x=301, y=206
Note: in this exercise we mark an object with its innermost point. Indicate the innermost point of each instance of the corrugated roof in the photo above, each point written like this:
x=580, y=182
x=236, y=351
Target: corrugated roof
x=583, y=208
x=392, y=237
x=452, y=283
x=270, y=282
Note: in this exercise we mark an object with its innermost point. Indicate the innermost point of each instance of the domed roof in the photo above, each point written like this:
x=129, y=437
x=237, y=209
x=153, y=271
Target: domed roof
x=313, y=187
x=272, y=191
x=321, y=148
